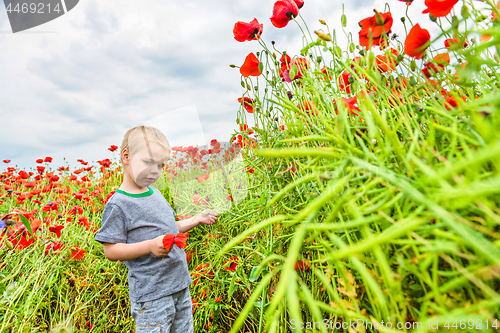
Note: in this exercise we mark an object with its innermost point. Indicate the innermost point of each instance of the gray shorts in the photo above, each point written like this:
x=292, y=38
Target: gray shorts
x=169, y=314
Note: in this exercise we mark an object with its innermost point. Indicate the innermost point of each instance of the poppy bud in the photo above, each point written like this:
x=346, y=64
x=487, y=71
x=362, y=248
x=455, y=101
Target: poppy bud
x=412, y=81
x=232, y=66
x=274, y=55
x=465, y=12
x=243, y=84
x=322, y=22
x=248, y=87
x=455, y=22
x=323, y=36
x=352, y=47
x=380, y=20
x=432, y=18
x=318, y=59
x=403, y=19
x=9, y=244
x=338, y=51
x=371, y=60
x=273, y=42
x=413, y=65
x=343, y=20
x=257, y=53
x=261, y=67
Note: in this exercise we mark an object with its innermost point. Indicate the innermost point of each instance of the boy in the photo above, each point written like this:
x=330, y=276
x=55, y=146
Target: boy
x=134, y=221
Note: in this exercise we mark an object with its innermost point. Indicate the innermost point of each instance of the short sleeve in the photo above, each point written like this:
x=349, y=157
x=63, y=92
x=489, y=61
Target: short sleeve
x=113, y=226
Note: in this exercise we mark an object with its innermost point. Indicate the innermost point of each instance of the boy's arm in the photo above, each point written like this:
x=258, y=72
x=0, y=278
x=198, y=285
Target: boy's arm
x=187, y=224
x=124, y=252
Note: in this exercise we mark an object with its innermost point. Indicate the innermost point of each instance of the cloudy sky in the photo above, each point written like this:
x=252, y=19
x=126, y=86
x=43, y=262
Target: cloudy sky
x=73, y=86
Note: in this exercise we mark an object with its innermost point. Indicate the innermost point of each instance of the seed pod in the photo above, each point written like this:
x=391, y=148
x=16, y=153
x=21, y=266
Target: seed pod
x=412, y=81
x=323, y=36
x=318, y=59
x=413, y=65
x=257, y=53
x=343, y=20
x=403, y=19
x=432, y=18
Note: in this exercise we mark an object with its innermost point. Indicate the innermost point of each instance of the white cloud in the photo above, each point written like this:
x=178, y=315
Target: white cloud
x=73, y=86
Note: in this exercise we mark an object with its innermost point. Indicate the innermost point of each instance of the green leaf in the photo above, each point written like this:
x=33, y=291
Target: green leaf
x=26, y=224
x=254, y=274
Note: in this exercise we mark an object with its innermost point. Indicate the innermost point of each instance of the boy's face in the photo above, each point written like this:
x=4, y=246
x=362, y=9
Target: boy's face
x=146, y=165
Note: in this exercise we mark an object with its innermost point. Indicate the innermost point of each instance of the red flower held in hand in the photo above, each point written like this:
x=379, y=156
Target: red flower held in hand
x=417, y=41
x=439, y=8
x=283, y=12
x=251, y=66
x=179, y=240
x=247, y=31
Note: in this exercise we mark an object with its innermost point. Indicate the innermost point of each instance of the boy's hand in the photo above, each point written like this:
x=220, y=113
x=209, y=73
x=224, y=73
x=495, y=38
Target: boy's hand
x=157, y=247
x=207, y=217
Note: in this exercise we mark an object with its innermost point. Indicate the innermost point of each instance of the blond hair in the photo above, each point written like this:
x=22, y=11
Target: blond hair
x=134, y=140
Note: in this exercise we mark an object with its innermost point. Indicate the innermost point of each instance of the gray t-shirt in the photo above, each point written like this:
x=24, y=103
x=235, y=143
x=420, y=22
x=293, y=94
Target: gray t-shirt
x=131, y=218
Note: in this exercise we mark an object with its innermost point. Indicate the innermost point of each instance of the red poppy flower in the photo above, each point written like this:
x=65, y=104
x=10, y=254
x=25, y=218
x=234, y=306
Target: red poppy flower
x=6, y=161
x=302, y=265
x=77, y=253
x=251, y=66
x=349, y=104
x=247, y=103
x=113, y=148
x=454, y=41
x=232, y=264
x=301, y=64
x=439, y=8
x=57, y=229
x=417, y=41
x=387, y=62
x=179, y=240
x=247, y=31
x=344, y=84
x=370, y=23
x=299, y=3
x=283, y=12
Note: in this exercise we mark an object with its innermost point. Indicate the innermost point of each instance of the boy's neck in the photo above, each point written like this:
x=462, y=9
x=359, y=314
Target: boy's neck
x=131, y=187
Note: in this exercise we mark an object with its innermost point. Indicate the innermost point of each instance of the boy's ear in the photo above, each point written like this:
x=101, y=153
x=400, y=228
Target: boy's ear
x=125, y=156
